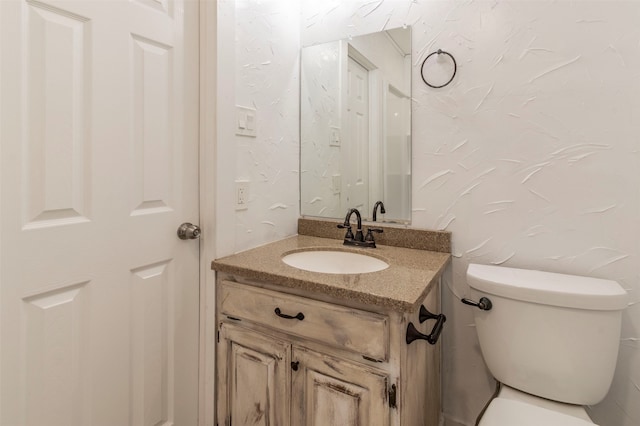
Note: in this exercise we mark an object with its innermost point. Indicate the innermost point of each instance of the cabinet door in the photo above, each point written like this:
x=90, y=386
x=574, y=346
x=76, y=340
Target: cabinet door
x=331, y=391
x=254, y=372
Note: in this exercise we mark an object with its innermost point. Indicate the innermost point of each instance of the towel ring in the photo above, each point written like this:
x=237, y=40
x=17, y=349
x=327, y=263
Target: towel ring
x=439, y=52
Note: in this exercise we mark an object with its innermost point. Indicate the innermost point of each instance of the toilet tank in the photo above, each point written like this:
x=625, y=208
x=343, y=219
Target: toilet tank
x=548, y=334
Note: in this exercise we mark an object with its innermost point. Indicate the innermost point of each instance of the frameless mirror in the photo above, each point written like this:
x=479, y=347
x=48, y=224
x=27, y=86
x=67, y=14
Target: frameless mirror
x=355, y=126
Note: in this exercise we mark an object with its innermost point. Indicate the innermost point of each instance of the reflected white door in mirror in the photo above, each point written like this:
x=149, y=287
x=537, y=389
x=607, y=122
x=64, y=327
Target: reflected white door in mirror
x=355, y=126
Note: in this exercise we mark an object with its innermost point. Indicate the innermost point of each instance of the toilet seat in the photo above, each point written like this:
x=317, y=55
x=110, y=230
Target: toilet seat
x=509, y=412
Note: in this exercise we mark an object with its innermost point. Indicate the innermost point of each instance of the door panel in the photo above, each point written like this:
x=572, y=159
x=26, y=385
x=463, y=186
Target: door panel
x=98, y=163
x=151, y=342
x=54, y=349
x=152, y=141
x=357, y=158
x=331, y=391
x=57, y=152
x=253, y=378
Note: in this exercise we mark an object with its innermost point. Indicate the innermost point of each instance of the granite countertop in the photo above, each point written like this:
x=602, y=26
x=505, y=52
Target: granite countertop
x=400, y=287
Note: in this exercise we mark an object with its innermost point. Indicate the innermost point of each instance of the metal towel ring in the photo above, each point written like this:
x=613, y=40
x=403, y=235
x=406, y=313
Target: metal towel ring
x=439, y=52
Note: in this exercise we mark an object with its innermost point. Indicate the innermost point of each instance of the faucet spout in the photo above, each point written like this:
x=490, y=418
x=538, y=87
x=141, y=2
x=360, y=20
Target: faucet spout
x=375, y=209
x=347, y=220
x=347, y=224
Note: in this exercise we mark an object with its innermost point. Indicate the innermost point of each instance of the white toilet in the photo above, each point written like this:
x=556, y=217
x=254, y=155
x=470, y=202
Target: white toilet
x=550, y=339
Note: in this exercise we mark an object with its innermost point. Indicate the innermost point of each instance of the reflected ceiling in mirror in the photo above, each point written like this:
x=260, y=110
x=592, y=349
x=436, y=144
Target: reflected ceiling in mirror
x=355, y=127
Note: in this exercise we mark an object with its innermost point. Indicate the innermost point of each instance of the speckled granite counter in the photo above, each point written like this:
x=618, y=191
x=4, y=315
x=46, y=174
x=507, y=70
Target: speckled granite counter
x=400, y=287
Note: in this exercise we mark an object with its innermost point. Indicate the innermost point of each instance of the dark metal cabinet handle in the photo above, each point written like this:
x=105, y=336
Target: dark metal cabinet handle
x=299, y=316
x=426, y=315
x=294, y=365
x=432, y=338
x=484, y=303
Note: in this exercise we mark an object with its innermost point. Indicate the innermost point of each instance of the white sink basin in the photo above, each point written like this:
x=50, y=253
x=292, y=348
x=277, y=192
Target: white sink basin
x=334, y=262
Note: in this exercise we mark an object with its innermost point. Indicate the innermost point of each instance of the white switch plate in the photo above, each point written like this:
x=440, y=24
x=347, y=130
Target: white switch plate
x=242, y=194
x=334, y=136
x=245, y=121
x=336, y=184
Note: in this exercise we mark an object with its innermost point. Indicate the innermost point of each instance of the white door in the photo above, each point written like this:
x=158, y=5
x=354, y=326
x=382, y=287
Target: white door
x=98, y=163
x=356, y=161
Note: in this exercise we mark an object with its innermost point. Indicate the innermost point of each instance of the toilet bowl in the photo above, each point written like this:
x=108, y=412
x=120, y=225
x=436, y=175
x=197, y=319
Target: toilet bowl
x=512, y=407
x=550, y=339
x=509, y=412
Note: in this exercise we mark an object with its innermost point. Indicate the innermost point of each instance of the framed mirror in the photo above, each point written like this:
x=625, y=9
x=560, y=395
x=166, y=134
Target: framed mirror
x=355, y=127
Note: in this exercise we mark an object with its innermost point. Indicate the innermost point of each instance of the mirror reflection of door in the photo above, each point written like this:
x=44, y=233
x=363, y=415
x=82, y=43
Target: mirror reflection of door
x=356, y=160
x=397, y=153
x=355, y=126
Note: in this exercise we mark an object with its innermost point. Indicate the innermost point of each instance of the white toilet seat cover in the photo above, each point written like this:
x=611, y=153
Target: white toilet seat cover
x=508, y=412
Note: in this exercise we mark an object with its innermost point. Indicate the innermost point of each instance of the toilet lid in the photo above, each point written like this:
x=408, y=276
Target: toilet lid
x=508, y=412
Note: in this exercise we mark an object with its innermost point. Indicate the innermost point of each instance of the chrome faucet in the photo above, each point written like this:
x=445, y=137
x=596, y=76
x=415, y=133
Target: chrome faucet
x=375, y=209
x=359, y=239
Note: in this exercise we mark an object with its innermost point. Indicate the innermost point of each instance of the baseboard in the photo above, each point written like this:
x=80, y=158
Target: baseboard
x=448, y=421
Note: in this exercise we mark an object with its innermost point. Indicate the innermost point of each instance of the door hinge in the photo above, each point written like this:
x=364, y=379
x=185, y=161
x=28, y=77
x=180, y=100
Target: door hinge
x=392, y=396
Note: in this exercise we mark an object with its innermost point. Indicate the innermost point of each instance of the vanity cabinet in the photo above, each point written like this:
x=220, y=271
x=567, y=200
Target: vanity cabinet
x=291, y=357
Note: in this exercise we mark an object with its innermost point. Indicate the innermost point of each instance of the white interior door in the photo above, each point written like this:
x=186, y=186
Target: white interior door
x=98, y=164
x=356, y=161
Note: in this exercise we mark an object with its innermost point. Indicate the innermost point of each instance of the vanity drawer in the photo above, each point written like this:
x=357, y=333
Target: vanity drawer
x=363, y=332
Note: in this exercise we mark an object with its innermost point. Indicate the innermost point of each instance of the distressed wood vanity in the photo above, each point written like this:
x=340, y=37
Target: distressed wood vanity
x=305, y=348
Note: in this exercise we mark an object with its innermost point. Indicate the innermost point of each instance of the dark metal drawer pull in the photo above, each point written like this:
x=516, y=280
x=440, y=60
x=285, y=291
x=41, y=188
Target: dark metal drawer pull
x=414, y=334
x=279, y=313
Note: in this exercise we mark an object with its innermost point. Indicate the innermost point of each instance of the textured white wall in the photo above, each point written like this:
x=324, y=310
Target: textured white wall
x=258, y=45
x=530, y=157
x=321, y=114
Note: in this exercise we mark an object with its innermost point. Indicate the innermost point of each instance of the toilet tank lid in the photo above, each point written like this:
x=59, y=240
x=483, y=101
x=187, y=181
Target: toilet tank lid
x=548, y=288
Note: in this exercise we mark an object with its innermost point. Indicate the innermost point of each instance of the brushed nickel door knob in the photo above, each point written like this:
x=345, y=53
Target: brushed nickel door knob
x=189, y=231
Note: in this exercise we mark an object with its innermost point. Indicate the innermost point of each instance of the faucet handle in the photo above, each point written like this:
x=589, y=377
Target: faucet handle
x=349, y=234
x=370, y=231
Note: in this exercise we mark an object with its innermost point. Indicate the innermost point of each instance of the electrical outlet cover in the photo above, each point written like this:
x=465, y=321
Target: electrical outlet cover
x=242, y=194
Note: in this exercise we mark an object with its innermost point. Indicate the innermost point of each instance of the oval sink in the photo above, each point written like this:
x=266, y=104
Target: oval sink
x=334, y=262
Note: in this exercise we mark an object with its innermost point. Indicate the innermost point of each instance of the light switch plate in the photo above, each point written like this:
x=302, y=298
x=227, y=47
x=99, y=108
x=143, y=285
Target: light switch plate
x=336, y=184
x=334, y=136
x=245, y=121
